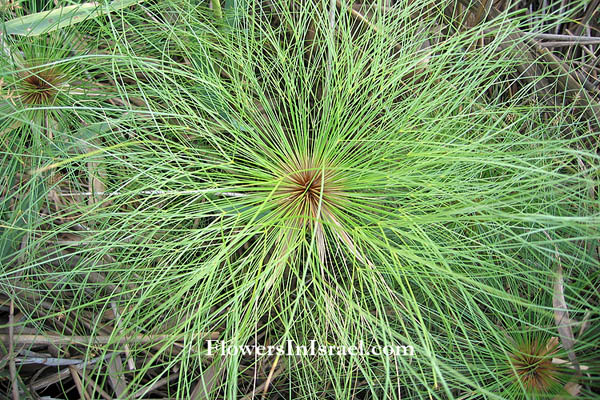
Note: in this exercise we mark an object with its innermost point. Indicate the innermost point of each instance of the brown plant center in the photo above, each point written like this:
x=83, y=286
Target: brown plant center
x=306, y=185
x=39, y=87
x=534, y=366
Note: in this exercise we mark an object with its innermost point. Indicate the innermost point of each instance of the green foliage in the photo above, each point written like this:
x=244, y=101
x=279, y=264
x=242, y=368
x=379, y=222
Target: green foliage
x=61, y=17
x=270, y=174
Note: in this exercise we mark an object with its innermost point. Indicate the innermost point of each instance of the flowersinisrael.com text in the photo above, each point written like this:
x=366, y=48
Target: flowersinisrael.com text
x=311, y=349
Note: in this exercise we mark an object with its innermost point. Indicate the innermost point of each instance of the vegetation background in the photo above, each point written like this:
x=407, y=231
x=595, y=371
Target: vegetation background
x=410, y=172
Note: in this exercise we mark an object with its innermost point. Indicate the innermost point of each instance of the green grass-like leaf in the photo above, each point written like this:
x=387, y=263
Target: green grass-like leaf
x=61, y=17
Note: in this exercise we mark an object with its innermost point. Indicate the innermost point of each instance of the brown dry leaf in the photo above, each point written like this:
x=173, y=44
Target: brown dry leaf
x=561, y=317
x=116, y=375
x=561, y=311
x=573, y=388
x=205, y=386
x=78, y=384
x=560, y=361
x=563, y=323
x=95, y=185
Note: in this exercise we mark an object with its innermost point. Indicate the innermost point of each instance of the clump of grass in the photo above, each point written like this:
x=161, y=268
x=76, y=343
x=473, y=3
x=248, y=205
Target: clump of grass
x=531, y=365
x=301, y=172
x=35, y=72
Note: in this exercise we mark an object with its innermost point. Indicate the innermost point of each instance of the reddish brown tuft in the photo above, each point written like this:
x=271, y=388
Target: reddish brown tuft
x=533, y=365
x=39, y=86
x=304, y=184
